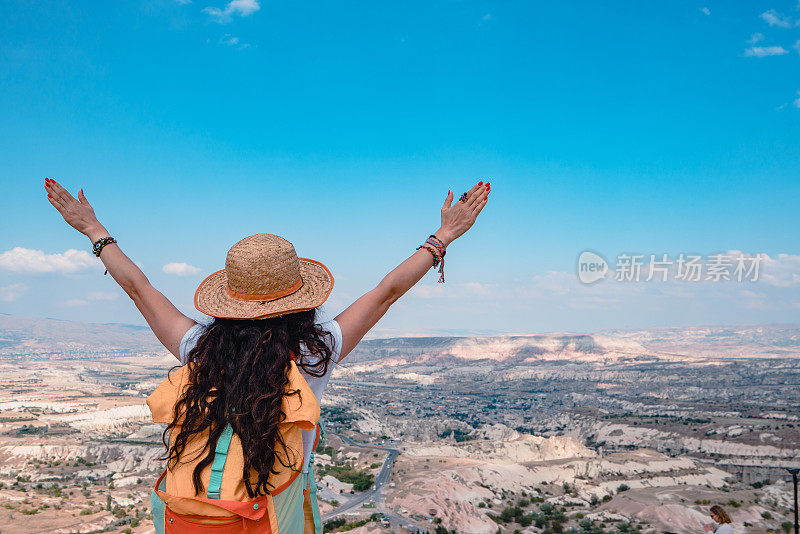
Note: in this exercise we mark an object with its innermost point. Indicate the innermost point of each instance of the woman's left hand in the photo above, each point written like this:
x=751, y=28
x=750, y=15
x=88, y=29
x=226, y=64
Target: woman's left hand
x=78, y=213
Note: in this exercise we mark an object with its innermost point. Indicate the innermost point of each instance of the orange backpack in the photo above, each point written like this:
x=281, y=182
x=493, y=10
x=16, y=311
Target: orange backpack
x=291, y=508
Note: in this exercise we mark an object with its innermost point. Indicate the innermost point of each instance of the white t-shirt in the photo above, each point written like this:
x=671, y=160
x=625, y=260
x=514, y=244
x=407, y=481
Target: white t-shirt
x=725, y=528
x=317, y=384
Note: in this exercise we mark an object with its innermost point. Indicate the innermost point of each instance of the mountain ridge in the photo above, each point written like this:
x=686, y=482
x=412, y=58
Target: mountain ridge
x=19, y=335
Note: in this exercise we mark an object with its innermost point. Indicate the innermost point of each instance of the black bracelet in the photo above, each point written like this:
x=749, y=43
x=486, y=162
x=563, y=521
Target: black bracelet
x=103, y=241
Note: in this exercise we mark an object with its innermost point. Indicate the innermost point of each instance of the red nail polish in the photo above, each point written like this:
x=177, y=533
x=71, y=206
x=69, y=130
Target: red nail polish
x=81, y=191
x=49, y=195
x=480, y=183
x=449, y=192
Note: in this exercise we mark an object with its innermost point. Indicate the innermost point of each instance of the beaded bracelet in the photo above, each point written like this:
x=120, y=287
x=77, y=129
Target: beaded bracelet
x=97, y=247
x=435, y=246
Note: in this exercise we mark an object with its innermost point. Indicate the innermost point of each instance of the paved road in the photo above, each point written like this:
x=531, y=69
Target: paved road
x=380, y=481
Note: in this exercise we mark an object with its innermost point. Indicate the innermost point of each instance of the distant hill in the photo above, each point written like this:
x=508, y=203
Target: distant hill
x=513, y=349
x=28, y=335
x=33, y=335
x=659, y=344
x=764, y=340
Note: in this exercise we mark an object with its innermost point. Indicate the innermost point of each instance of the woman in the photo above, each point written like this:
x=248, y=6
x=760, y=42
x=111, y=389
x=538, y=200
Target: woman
x=722, y=521
x=242, y=410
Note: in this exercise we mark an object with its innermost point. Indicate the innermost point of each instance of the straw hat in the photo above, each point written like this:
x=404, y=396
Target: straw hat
x=263, y=277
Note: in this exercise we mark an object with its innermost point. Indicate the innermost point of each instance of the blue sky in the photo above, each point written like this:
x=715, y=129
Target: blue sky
x=632, y=127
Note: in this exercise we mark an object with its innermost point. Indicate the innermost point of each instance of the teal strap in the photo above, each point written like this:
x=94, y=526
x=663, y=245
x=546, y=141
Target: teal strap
x=220, y=455
x=321, y=431
x=312, y=491
x=157, y=507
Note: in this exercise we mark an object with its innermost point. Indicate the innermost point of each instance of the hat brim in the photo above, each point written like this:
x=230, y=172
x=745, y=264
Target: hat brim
x=212, y=297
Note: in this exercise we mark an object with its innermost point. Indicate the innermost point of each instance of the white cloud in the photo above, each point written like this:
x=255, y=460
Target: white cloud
x=764, y=51
x=705, y=11
x=74, y=303
x=478, y=288
x=781, y=271
x=184, y=2
x=746, y=293
x=438, y=291
x=797, y=100
x=554, y=282
x=755, y=38
x=242, y=8
x=26, y=260
x=101, y=295
x=12, y=292
x=773, y=18
x=232, y=41
x=797, y=46
x=180, y=269
x=427, y=291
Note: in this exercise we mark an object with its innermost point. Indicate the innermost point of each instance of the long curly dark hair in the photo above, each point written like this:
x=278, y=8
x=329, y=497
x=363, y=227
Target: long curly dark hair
x=239, y=376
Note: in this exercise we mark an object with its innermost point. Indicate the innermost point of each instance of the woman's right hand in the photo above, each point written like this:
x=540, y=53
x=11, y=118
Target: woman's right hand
x=458, y=218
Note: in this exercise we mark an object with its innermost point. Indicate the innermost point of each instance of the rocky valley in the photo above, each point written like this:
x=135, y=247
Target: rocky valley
x=611, y=432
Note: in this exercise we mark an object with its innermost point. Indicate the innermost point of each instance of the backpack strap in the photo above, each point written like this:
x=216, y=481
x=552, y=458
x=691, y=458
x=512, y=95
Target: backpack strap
x=311, y=482
x=220, y=456
x=312, y=488
x=157, y=506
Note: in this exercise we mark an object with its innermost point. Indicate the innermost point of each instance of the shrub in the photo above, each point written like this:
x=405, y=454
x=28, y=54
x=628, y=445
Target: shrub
x=333, y=524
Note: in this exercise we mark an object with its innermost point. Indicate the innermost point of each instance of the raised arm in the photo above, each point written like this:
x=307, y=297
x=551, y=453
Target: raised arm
x=168, y=324
x=365, y=312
